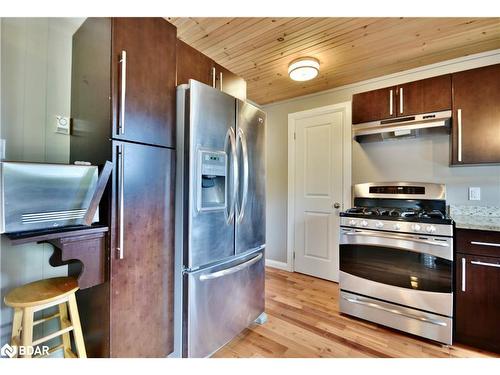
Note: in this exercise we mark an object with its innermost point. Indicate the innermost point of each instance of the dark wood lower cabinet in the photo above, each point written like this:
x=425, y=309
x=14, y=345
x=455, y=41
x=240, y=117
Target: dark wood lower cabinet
x=477, y=292
x=142, y=283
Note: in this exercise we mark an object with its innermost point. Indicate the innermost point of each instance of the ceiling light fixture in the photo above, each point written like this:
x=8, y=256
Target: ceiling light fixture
x=303, y=69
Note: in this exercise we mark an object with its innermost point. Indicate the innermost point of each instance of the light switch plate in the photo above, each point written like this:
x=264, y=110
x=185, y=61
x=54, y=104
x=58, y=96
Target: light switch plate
x=63, y=125
x=474, y=193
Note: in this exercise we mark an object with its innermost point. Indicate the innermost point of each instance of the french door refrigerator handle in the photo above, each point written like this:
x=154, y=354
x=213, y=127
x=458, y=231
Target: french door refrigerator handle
x=231, y=140
x=121, y=161
x=123, y=91
x=228, y=271
x=244, y=149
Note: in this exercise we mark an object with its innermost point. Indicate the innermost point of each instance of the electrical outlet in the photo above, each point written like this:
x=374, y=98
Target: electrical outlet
x=474, y=193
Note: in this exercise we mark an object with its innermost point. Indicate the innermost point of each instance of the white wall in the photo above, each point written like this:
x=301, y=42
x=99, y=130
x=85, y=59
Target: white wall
x=35, y=87
x=421, y=159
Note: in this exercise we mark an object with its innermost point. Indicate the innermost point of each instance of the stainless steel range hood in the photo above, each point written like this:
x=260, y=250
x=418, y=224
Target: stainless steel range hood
x=403, y=127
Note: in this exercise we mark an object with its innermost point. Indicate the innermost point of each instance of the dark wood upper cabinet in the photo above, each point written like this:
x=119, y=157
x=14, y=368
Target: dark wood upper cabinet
x=477, y=309
x=230, y=83
x=436, y=93
x=145, y=78
x=192, y=64
x=412, y=98
x=374, y=105
x=424, y=96
x=476, y=116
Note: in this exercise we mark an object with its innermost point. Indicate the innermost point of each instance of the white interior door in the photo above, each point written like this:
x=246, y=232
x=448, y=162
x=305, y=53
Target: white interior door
x=318, y=193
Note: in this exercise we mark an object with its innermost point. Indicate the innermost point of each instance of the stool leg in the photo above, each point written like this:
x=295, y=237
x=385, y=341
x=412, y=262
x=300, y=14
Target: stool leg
x=77, y=328
x=66, y=340
x=16, y=327
x=27, y=333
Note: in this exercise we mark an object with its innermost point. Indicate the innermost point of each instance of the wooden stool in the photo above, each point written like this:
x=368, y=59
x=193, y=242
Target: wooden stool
x=40, y=295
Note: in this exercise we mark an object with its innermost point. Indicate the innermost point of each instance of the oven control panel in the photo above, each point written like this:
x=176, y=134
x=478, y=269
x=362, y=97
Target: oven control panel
x=398, y=226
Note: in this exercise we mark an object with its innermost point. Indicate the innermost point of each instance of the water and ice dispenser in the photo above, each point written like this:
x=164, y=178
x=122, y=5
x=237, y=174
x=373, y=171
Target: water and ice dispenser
x=212, y=182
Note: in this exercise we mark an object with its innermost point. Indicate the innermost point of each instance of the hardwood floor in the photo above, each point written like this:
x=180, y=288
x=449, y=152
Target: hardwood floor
x=304, y=321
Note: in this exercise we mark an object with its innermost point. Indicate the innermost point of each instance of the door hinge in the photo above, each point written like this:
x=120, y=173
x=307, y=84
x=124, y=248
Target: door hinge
x=294, y=136
x=294, y=255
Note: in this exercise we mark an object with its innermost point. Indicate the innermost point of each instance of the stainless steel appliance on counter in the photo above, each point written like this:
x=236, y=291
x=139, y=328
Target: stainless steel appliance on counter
x=35, y=196
x=220, y=218
x=396, y=258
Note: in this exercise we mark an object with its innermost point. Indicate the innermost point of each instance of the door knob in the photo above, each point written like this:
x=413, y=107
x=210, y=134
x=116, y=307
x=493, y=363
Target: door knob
x=336, y=205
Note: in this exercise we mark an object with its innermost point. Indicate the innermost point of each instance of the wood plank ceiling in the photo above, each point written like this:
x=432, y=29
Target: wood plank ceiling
x=349, y=49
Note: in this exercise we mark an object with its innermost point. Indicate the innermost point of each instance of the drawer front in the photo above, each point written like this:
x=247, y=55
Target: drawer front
x=223, y=301
x=478, y=242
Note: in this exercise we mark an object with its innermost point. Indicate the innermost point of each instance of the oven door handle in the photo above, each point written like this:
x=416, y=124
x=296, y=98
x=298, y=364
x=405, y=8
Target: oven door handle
x=396, y=312
x=371, y=234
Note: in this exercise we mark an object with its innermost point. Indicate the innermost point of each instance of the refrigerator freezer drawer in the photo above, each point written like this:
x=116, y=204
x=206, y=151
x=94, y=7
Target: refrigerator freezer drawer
x=223, y=301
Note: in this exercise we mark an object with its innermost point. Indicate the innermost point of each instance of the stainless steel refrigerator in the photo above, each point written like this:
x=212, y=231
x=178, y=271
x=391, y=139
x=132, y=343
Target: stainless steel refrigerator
x=220, y=219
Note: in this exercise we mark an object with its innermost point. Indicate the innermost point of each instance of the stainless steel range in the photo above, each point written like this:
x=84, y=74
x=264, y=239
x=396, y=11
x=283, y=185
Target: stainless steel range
x=396, y=258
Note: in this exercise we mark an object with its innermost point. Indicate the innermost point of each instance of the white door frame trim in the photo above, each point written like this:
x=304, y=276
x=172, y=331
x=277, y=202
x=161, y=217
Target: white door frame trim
x=346, y=166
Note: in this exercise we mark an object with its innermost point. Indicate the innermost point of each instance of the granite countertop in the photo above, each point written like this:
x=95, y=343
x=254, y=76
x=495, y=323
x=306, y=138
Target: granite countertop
x=476, y=217
x=477, y=222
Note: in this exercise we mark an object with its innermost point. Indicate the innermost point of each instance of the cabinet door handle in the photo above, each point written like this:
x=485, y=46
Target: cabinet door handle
x=485, y=243
x=220, y=81
x=459, y=122
x=121, y=177
x=401, y=101
x=213, y=77
x=486, y=264
x=390, y=102
x=463, y=274
x=123, y=90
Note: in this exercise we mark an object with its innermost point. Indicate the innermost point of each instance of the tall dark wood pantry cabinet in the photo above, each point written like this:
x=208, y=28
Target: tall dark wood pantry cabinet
x=123, y=109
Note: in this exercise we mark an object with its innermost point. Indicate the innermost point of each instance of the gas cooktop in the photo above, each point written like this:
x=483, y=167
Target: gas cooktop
x=402, y=214
x=400, y=201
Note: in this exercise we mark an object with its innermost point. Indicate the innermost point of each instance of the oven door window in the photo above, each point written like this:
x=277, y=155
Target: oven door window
x=397, y=267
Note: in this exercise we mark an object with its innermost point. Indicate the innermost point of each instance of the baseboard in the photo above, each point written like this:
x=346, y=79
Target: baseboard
x=276, y=264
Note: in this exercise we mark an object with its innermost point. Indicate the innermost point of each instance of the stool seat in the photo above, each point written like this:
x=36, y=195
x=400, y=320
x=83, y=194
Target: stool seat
x=41, y=292
x=38, y=296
